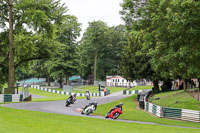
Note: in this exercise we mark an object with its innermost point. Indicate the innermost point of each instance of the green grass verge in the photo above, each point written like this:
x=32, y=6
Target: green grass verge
x=141, y=88
x=82, y=89
x=93, y=89
x=49, y=96
x=24, y=121
x=116, y=89
x=178, y=99
x=130, y=112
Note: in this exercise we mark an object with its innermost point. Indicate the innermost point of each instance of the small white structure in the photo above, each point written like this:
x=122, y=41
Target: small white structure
x=118, y=81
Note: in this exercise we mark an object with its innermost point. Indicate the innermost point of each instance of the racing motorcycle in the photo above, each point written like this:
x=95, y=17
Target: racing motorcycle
x=114, y=114
x=69, y=101
x=89, y=109
x=87, y=96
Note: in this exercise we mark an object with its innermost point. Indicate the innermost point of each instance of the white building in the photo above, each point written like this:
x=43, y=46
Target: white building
x=118, y=81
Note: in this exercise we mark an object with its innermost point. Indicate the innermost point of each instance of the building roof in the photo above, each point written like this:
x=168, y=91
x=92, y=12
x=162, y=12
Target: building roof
x=74, y=78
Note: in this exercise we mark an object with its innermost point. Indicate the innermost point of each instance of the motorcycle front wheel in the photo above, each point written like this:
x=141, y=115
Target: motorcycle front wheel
x=89, y=111
x=67, y=104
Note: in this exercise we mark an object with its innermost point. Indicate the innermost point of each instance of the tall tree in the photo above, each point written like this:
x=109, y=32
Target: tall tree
x=31, y=29
x=113, y=56
x=93, y=44
x=65, y=62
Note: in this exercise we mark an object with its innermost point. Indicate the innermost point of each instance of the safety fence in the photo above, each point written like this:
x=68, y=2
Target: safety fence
x=11, y=98
x=154, y=109
x=131, y=92
x=173, y=113
x=101, y=93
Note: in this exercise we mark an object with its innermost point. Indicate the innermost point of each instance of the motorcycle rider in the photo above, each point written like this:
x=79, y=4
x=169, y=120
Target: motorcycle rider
x=74, y=97
x=71, y=99
x=117, y=106
x=87, y=93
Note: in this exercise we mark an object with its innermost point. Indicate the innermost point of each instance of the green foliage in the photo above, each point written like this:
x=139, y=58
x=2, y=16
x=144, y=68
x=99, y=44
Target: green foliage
x=103, y=43
x=92, y=48
x=169, y=41
x=65, y=60
x=35, y=25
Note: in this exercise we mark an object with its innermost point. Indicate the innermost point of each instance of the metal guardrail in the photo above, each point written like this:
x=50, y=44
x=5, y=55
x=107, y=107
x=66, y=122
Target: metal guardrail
x=101, y=93
x=11, y=97
x=173, y=113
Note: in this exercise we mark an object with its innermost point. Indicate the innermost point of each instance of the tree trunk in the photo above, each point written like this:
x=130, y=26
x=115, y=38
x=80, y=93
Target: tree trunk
x=167, y=85
x=199, y=91
x=95, y=66
x=11, y=78
x=48, y=79
x=67, y=79
x=155, y=87
x=184, y=85
x=60, y=82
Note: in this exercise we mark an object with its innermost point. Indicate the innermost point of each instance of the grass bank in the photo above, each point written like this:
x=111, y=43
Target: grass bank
x=23, y=121
x=141, y=88
x=176, y=99
x=130, y=112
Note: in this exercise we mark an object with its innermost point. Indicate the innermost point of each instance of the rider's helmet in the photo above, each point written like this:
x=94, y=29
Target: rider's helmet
x=121, y=104
x=95, y=102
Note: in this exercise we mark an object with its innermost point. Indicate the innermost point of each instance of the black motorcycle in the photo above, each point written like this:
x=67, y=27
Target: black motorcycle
x=69, y=101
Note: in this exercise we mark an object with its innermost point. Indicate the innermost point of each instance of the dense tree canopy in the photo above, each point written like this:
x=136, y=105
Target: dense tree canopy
x=171, y=35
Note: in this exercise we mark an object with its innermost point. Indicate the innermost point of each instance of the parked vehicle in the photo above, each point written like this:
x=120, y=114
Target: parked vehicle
x=114, y=114
x=89, y=109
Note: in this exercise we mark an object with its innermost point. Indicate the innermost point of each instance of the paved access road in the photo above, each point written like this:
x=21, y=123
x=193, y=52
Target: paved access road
x=74, y=109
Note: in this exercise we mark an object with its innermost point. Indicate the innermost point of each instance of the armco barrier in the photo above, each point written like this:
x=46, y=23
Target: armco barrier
x=154, y=109
x=173, y=113
x=11, y=98
x=131, y=92
x=101, y=93
x=190, y=115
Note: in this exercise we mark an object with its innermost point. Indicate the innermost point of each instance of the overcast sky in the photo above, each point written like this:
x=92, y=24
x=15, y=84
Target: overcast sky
x=90, y=10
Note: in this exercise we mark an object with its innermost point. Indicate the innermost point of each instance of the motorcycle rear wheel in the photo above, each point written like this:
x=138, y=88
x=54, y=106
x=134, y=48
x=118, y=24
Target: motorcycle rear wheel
x=116, y=115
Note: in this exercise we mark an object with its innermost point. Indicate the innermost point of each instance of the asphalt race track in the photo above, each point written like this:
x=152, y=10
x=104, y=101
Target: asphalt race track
x=59, y=106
